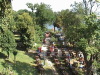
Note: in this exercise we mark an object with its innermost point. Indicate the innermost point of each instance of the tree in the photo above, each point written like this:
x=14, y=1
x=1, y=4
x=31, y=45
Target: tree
x=4, y=5
x=6, y=12
x=87, y=43
x=69, y=24
x=7, y=41
x=88, y=33
x=82, y=29
x=25, y=26
x=89, y=54
x=30, y=5
x=89, y=5
x=39, y=34
x=15, y=53
x=58, y=20
x=78, y=8
x=44, y=15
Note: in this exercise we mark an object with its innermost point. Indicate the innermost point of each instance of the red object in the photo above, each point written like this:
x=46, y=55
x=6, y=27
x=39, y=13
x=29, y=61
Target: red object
x=40, y=49
x=51, y=48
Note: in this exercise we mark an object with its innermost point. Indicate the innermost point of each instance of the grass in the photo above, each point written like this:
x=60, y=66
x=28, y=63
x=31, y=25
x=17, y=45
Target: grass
x=23, y=66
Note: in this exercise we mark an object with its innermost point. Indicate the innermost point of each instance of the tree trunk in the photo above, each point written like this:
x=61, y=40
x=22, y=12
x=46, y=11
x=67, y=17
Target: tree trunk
x=88, y=64
x=86, y=7
x=89, y=68
x=14, y=59
x=8, y=54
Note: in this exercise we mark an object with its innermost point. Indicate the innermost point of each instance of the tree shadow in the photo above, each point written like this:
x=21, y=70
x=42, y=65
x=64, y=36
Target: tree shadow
x=22, y=68
x=49, y=72
x=21, y=48
x=3, y=56
x=30, y=54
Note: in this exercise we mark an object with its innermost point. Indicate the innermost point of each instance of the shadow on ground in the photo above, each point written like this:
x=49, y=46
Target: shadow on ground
x=2, y=56
x=22, y=68
x=30, y=54
x=49, y=72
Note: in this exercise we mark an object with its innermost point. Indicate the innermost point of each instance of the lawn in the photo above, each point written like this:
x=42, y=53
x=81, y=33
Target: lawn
x=24, y=64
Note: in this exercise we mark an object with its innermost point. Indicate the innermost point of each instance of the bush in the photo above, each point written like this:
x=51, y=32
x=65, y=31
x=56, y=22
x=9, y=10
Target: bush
x=7, y=41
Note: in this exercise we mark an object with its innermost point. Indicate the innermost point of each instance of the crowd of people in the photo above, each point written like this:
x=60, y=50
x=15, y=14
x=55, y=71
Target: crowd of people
x=69, y=57
x=72, y=57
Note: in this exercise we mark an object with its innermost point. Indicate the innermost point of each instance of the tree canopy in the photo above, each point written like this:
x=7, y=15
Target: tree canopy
x=7, y=41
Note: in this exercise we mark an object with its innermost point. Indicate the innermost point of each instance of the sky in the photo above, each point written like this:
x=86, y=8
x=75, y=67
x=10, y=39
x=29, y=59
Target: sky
x=56, y=5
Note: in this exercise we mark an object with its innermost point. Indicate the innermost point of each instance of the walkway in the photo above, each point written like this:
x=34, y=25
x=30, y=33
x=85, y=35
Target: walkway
x=49, y=68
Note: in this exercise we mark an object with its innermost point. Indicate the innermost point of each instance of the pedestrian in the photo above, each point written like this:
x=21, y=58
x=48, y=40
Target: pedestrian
x=68, y=56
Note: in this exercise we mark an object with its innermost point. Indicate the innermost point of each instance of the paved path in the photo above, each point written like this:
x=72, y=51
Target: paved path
x=49, y=65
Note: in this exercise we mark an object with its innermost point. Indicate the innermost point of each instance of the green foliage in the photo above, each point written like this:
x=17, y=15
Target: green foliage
x=24, y=20
x=97, y=39
x=44, y=14
x=24, y=64
x=7, y=41
x=53, y=36
x=6, y=15
x=39, y=34
x=82, y=31
x=82, y=44
x=80, y=71
x=91, y=50
x=70, y=24
x=30, y=5
x=58, y=20
x=25, y=26
x=78, y=8
x=53, y=39
x=29, y=37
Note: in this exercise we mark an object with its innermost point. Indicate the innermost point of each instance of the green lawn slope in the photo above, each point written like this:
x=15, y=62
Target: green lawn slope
x=23, y=66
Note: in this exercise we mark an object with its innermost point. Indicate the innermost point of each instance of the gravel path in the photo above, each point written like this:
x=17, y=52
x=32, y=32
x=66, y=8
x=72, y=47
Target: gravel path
x=51, y=67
